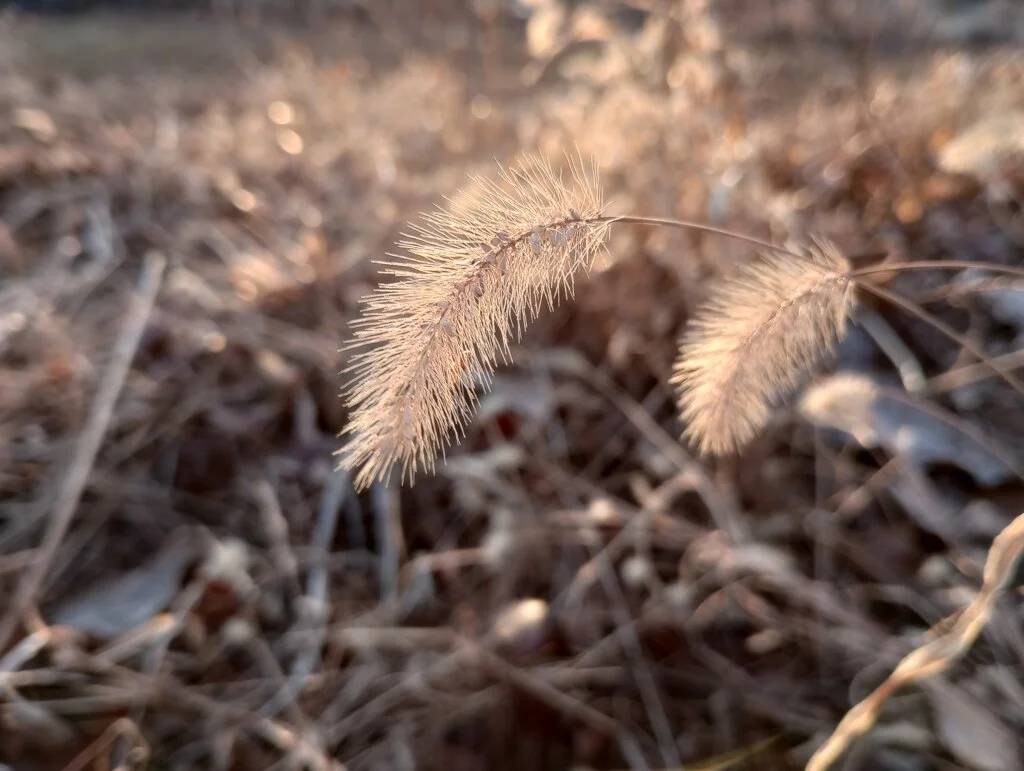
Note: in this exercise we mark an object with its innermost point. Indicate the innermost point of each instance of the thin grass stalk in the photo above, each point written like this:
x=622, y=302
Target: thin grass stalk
x=478, y=271
x=944, y=328
x=936, y=655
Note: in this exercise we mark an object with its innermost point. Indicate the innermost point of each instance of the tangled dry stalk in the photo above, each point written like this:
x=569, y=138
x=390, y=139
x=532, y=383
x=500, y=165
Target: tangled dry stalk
x=937, y=655
x=572, y=588
x=440, y=329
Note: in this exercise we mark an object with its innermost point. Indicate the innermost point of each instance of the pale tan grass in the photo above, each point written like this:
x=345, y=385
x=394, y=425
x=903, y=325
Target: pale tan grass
x=755, y=340
x=474, y=274
x=939, y=653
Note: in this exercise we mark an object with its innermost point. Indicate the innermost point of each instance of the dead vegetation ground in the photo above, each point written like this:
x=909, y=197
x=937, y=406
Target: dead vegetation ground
x=573, y=589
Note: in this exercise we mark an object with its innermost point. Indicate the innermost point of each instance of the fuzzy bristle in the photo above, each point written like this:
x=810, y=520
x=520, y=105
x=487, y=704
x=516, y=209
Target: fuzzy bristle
x=474, y=274
x=755, y=340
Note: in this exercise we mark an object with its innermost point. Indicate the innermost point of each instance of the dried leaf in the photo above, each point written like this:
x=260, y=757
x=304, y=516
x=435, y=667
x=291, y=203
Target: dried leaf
x=970, y=731
x=37, y=725
x=981, y=148
x=121, y=604
x=862, y=406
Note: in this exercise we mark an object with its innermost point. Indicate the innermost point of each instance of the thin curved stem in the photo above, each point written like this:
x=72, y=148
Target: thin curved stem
x=907, y=365
x=971, y=373
x=700, y=228
x=965, y=427
x=853, y=274
x=937, y=265
x=944, y=328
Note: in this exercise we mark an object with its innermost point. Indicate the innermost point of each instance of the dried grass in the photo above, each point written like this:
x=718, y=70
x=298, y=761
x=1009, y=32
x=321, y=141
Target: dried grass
x=689, y=613
x=937, y=655
x=436, y=333
x=755, y=340
x=475, y=275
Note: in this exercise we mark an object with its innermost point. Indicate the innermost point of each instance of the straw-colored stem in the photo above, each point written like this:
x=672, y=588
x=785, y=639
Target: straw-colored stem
x=936, y=655
x=699, y=228
x=945, y=329
x=937, y=265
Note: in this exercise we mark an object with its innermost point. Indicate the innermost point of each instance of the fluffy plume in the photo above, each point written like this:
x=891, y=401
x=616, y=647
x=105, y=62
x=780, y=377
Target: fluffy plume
x=474, y=274
x=755, y=340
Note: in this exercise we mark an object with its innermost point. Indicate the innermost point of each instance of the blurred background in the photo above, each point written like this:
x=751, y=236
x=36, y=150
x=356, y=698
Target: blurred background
x=191, y=195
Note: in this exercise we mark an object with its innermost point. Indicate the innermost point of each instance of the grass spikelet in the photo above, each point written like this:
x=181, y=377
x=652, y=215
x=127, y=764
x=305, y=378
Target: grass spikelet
x=754, y=341
x=474, y=274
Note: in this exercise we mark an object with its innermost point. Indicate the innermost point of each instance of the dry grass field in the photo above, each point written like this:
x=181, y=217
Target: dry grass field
x=191, y=204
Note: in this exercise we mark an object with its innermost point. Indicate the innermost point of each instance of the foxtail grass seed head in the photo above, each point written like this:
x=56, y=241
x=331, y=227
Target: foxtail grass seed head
x=755, y=340
x=473, y=275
